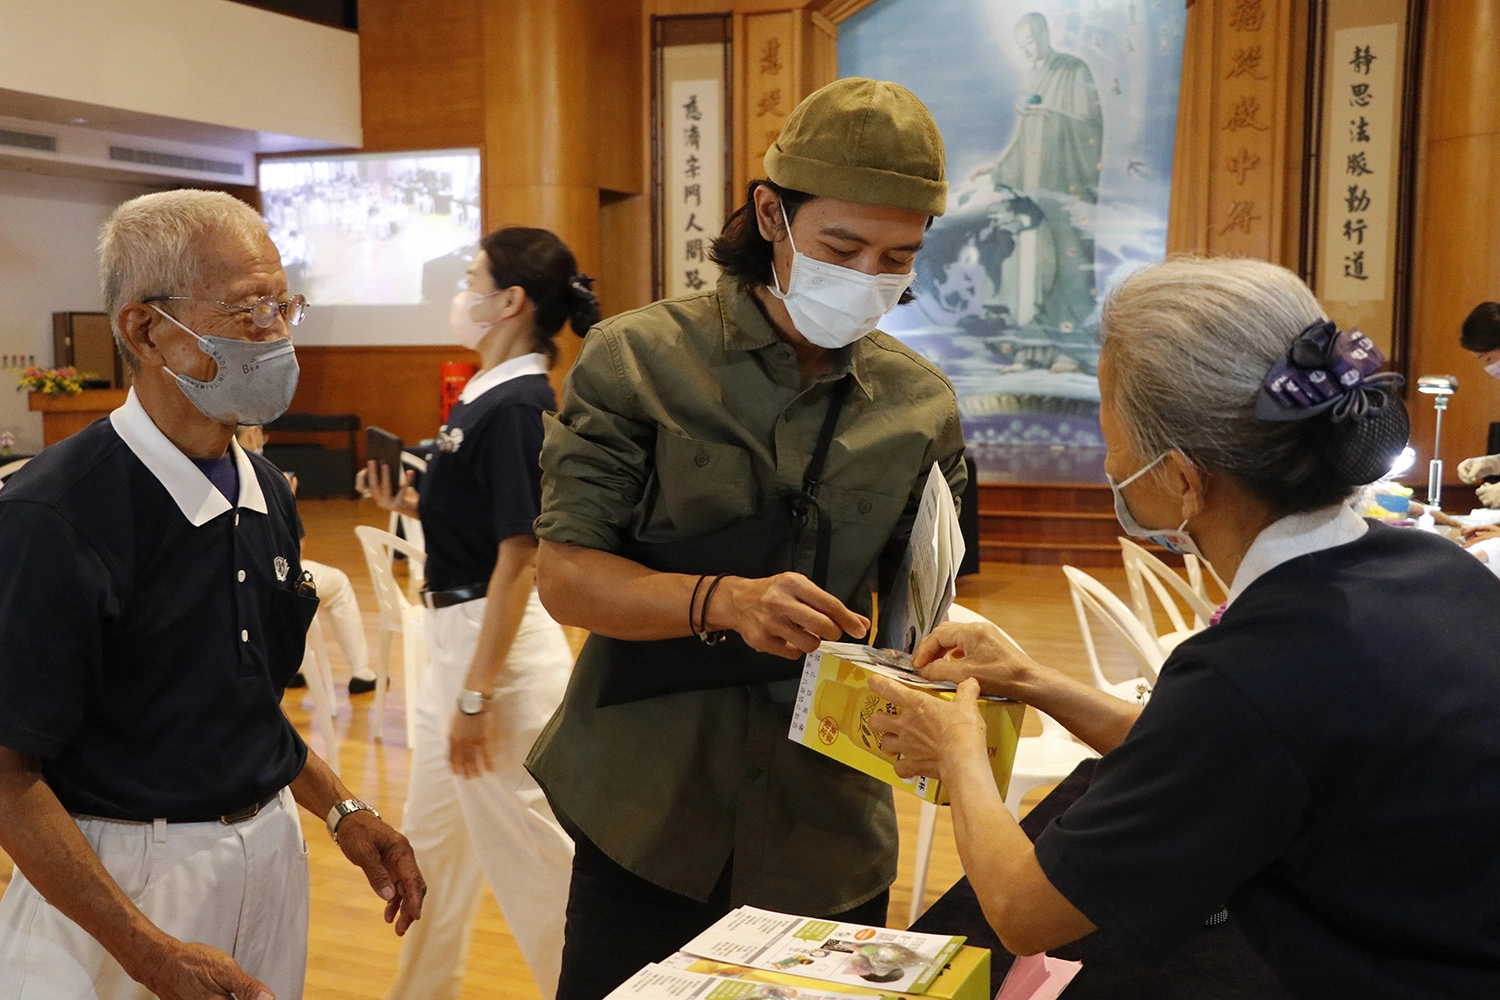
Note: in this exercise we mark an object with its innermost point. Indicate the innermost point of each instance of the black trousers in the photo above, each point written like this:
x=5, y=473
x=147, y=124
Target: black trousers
x=618, y=922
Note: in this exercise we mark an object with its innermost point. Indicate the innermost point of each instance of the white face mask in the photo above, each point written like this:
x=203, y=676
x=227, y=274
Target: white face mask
x=254, y=383
x=467, y=331
x=1493, y=368
x=834, y=306
x=1172, y=539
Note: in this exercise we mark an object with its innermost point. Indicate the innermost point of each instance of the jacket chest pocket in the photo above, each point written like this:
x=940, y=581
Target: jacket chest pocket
x=289, y=615
x=700, y=485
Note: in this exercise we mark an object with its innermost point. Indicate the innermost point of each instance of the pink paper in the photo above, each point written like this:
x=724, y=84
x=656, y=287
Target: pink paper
x=1037, y=977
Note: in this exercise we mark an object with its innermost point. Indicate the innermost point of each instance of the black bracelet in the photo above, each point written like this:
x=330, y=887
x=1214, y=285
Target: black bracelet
x=692, y=625
x=704, y=635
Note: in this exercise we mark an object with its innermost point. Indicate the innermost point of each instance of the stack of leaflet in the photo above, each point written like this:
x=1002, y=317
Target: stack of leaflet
x=754, y=954
x=928, y=577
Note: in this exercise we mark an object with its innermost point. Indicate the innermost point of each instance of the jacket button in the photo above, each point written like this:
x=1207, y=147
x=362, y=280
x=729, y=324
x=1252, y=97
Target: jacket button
x=864, y=506
x=244, y=635
x=700, y=459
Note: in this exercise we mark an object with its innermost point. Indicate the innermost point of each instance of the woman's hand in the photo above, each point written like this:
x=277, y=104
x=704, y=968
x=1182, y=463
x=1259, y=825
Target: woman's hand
x=785, y=615
x=928, y=733
x=378, y=483
x=472, y=743
x=957, y=650
x=1480, y=533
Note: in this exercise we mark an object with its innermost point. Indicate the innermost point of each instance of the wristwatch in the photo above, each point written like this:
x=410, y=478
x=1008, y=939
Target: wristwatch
x=342, y=809
x=473, y=702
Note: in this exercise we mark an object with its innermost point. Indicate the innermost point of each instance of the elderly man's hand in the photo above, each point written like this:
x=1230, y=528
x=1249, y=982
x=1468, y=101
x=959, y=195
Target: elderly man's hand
x=388, y=862
x=1489, y=494
x=928, y=732
x=180, y=971
x=956, y=650
x=1472, y=470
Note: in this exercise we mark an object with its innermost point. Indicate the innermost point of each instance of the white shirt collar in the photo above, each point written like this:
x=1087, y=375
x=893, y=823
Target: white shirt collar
x=526, y=364
x=1296, y=535
x=198, y=499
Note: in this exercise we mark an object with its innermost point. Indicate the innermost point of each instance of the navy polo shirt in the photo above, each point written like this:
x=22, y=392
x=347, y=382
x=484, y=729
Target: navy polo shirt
x=1326, y=761
x=484, y=482
x=148, y=627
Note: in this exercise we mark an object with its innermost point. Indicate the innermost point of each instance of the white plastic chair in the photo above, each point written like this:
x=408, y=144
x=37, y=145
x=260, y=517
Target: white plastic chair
x=1149, y=577
x=411, y=527
x=398, y=614
x=1093, y=601
x=320, y=685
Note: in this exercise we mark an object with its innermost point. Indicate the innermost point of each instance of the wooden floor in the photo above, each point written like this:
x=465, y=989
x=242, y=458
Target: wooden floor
x=352, y=953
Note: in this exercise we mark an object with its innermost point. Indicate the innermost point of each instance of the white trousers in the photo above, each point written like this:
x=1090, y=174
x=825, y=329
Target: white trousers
x=242, y=889
x=497, y=826
x=339, y=608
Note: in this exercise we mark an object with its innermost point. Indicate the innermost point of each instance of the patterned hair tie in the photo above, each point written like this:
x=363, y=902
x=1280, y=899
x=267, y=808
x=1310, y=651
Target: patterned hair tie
x=583, y=287
x=1326, y=370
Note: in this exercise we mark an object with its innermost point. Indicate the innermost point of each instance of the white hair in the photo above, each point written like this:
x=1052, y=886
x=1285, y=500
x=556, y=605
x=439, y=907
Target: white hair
x=152, y=245
x=1187, y=344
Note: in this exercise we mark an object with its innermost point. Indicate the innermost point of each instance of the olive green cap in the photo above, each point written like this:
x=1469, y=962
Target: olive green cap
x=867, y=141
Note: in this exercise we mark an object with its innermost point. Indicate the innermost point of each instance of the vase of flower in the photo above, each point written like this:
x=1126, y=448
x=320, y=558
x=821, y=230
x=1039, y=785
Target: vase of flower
x=52, y=381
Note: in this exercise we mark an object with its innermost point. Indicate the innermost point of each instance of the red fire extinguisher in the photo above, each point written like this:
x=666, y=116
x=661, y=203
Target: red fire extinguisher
x=453, y=376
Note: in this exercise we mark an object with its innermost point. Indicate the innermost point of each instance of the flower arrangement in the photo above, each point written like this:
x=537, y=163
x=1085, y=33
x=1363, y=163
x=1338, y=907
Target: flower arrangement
x=52, y=381
x=7, y=442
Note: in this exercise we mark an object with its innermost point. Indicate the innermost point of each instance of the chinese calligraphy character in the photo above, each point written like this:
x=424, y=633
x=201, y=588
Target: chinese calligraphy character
x=692, y=224
x=1242, y=217
x=1242, y=163
x=691, y=167
x=1246, y=114
x=691, y=109
x=693, y=280
x=1357, y=165
x=1362, y=59
x=1357, y=200
x=1354, y=266
x=1246, y=63
x=1354, y=231
x=694, y=191
x=695, y=249
x=1248, y=15
x=769, y=103
x=770, y=57
x=1359, y=131
x=1360, y=95
x=692, y=137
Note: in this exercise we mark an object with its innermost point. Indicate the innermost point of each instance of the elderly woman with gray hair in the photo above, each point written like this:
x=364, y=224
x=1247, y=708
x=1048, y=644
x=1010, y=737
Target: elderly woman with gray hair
x=1325, y=759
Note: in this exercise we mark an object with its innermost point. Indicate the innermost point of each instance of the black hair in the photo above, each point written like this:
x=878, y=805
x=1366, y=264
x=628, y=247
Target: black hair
x=1481, y=331
x=545, y=269
x=743, y=253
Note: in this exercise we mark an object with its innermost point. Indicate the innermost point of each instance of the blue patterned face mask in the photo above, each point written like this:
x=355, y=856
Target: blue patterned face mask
x=1172, y=539
x=255, y=381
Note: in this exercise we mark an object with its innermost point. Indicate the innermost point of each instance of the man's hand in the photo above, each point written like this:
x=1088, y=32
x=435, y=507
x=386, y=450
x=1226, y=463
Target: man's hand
x=928, y=732
x=389, y=864
x=472, y=742
x=956, y=650
x=1480, y=533
x=1489, y=494
x=197, y=972
x=1472, y=470
x=785, y=615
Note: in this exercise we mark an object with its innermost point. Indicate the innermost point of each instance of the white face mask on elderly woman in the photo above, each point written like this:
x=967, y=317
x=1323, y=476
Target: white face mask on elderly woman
x=1172, y=539
x=834, y=306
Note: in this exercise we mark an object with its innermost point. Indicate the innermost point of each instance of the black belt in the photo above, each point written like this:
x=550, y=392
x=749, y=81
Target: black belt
x=458, y=595
x=228, y=819
x=240, y=815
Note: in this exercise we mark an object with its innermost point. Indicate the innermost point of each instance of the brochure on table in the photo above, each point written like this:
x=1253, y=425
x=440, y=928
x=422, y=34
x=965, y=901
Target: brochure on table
x=928, y=577
x=660, y=982
x=827, y=950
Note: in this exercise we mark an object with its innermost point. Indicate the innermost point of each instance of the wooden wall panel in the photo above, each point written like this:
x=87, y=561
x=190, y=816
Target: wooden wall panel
x=1457, y=261
x=420, y=74
x=392, y=387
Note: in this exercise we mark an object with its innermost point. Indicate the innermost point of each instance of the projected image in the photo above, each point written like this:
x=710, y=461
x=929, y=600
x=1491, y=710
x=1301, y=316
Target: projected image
x=374, y=229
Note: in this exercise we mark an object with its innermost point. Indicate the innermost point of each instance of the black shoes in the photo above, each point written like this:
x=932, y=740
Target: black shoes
x=358, y=685
x=297, y=681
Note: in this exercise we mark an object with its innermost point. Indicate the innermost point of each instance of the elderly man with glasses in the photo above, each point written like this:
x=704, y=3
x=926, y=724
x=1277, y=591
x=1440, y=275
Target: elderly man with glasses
x=152, y=610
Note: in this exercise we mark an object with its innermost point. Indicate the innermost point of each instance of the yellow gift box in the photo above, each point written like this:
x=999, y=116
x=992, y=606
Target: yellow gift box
x=965, y=977
x=835, y=703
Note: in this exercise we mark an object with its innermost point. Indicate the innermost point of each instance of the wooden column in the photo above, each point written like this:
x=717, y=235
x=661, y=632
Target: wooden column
x=1457, y=261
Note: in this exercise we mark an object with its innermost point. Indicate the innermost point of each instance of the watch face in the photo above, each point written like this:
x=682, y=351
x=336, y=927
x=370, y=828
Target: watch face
x=471, y=703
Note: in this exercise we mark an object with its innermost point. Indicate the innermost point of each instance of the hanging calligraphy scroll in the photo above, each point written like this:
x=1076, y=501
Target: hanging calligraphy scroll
x=690, y=164
x=1366, y=143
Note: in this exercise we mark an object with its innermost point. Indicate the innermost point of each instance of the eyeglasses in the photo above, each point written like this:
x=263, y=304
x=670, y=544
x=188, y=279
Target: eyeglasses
x=263, y=313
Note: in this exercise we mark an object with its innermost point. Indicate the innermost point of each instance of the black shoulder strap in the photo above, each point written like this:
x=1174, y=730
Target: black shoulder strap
x=814, y=474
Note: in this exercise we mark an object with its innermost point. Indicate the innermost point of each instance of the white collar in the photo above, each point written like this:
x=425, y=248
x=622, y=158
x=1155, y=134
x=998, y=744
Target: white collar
x=1296, y=535
x=526, y=364
x=198, y=499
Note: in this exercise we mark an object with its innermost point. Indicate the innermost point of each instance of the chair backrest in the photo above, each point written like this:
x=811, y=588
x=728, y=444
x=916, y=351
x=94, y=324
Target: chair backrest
x=415, y=462
x=1093, y=601
x=1196, y=570
x=378, y=546
x=1148, y=576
